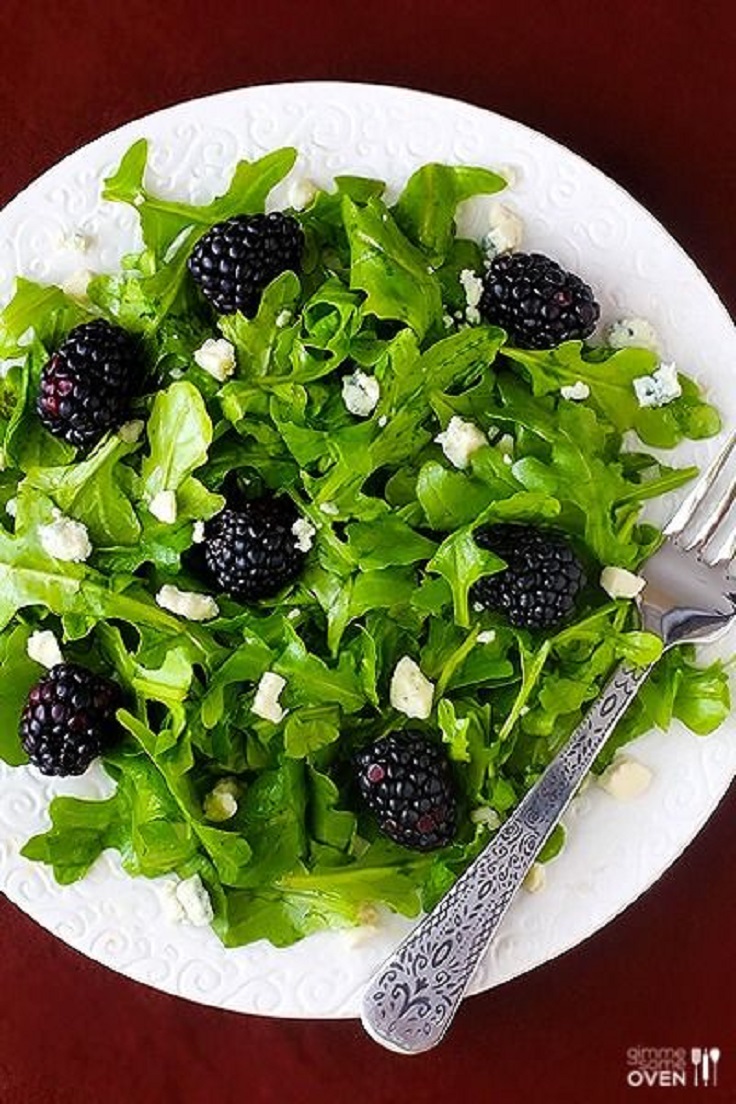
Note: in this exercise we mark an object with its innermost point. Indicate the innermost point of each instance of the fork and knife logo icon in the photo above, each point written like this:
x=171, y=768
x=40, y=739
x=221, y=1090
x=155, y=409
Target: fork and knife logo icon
x=705, y=1064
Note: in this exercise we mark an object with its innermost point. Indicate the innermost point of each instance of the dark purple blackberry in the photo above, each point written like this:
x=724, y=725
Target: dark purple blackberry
x=536, y=301
x=68, y=719
x=543, y=578
x=87, y=385
x=253, y=552
x=406, y=782
x=235, y=260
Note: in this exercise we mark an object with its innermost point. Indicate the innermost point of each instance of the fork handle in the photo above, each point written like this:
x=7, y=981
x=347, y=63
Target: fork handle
x=411, y=1001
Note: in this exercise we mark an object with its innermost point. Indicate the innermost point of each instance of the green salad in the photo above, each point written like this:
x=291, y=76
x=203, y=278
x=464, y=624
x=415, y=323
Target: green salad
x=366, y=391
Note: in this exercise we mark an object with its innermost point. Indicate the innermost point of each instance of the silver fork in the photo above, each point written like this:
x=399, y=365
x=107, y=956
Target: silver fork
x=688, y=598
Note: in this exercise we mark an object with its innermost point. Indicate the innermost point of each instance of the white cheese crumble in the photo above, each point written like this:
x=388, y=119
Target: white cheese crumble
x=283, y=319
x=575, y=392
x=172, y=909
x=625, y=779
x=220, y=807
x=329, y=508
x=221, y=802
x=506, y=231
x=460, y=440
x=294, y=613
x=303, y=532
x=188, y=902
x=301, y=193
x=198, y=532
x=536, y=879
x=360, y=393
x=448, y=321
x=11, y=507
x=43, y=648
x=75, y=286
x=473, y=288
x=383, y=421
x=130, y=432
x=266, y=702
x=486, y=637
x=659, y=389
x=65, y=539
x=636, y=333
x=187, y=603
x=620, y=583
x=410, y=692
x=485, y=815
x=163, y=507
x=217, y=357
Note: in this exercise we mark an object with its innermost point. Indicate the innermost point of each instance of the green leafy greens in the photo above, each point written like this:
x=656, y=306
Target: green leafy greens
x=393, y=563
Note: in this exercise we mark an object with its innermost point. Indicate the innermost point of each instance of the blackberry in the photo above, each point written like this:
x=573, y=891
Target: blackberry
x=87, y=385
x=406, y=782
x=252, y=552
x=536, y=301
x=235, y=260
x=68, y=719
x=543, y=578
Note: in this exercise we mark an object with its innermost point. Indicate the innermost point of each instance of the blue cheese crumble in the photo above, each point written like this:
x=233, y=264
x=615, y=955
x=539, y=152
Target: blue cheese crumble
x=575, y=392
x=659, y=389
x=460, y=440
x=473, y=288
x=633, y=333
x=505, y=234
x=65, y=539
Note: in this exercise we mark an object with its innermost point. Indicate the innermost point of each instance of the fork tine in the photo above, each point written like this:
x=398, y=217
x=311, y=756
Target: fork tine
x=727, y=549
x=709, y=527
x=687, y=509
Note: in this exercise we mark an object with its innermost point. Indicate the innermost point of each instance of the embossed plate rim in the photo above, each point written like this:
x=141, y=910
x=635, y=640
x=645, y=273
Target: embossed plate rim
x=118, y=921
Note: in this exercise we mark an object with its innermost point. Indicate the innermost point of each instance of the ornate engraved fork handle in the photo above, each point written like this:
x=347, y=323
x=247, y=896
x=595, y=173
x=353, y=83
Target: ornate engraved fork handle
x=410, y=1003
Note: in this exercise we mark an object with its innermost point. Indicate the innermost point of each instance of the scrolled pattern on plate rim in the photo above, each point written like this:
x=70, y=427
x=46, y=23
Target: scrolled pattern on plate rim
x=573, y=211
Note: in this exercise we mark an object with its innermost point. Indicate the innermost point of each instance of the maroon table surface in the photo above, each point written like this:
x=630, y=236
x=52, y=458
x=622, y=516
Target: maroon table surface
x=646, y=91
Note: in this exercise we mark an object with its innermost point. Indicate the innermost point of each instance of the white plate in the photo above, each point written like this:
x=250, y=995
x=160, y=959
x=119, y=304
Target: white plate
x=615, y=851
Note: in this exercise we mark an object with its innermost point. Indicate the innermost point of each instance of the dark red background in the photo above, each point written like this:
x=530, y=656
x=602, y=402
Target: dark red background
x=643, y=88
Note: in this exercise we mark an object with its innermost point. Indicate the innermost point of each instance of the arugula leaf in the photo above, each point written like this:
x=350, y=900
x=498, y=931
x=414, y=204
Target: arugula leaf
x=425, y=209
x=263, y=344
x=93, y=491
x=180, y=433
x=703, y=697
x=80, y=832
x=310, y=728
x=462, y=562
x=329, y=825
x=42, y=309
x=611, y=381
x=392, y=272
x=18, y=674
x=454, y=730
x=163, y=220
x=27, y=443
x=310, y=680
x=387, y=541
